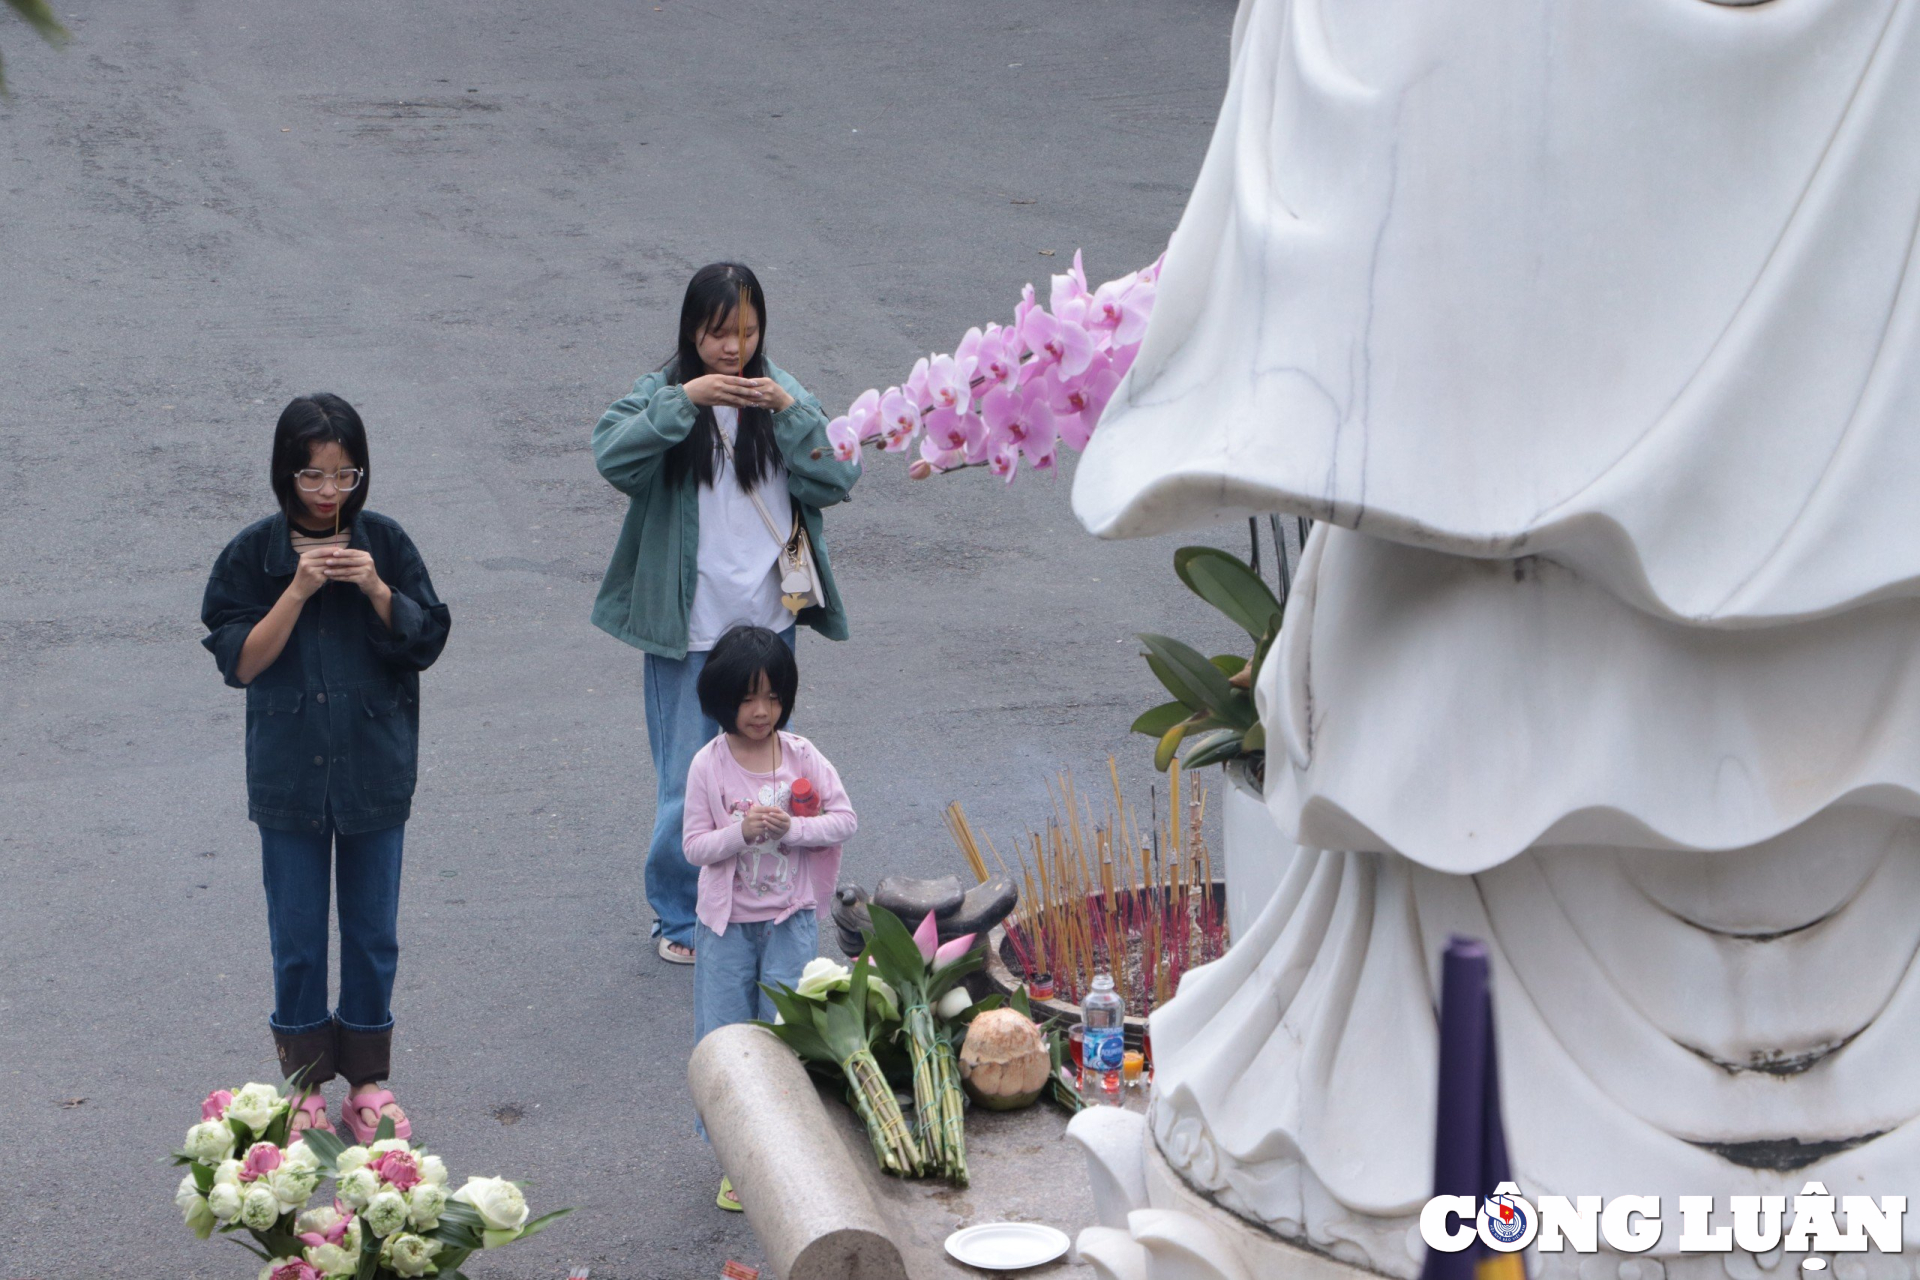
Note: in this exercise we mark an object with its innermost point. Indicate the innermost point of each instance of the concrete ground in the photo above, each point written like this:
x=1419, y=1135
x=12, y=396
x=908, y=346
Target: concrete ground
x=474, y=219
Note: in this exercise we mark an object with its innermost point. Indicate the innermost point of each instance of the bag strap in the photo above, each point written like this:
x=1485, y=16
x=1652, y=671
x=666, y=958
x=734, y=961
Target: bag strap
x=753, y=494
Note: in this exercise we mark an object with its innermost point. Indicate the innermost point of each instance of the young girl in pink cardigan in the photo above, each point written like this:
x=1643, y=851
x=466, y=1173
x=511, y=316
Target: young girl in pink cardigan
x=765, y=818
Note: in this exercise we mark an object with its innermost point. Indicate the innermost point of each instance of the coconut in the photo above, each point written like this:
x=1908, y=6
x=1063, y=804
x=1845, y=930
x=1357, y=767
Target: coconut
x=1004, y=1062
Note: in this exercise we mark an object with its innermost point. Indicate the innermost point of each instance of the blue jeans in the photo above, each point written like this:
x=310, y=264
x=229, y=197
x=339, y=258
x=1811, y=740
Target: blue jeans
x=366, y=869
x=676, y=730
x=729, y=967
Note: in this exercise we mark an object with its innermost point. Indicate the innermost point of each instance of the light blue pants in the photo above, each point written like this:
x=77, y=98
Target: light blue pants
x=676, y=730
x=729, y=967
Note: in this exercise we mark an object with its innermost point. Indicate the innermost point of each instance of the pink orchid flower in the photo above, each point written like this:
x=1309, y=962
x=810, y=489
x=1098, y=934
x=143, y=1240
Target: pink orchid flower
x=988, y=354
x=216, y=1104
x=899, y=420
x=916, y=384
x=934, y=458
x=863, y=415
x=262, y=1159
x=947, y=385
x=1055, y=342
x=845, y=440
x=1068, y=298
x=927, y=938
x=949, y=430
x=1003, y=462
x=948, y=952
x=1024, y=308
x=1022, y=419
x=1078, y=402
x=966, y=356
x=1120, y=309
x=398, y=1168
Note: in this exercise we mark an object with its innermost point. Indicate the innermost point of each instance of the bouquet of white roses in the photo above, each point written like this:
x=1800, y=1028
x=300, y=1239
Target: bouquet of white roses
x=391, y=1215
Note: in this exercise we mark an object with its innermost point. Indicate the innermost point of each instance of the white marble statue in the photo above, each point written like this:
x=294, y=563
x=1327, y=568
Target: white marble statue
x=1585, y=328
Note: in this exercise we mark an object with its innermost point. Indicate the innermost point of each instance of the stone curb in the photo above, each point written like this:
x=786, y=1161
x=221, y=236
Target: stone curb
x=804, y=1197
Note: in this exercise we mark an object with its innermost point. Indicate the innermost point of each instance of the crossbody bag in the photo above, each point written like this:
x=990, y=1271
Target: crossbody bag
x=799, y=574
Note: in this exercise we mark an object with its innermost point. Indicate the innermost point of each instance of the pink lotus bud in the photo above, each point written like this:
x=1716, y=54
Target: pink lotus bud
x=215, y=1107
x=398, y=1168
x=948, y=952
x=262, y=1159
x=927, y=937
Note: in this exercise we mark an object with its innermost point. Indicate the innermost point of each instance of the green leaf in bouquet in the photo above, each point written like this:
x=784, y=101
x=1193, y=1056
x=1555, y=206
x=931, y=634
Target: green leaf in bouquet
x=385, y=1131
x=544, y=1221
x=1230, y=664
x=895, y=954
x=950, y=974
x=1021, y=1004
x=202, y=1177
x=327, y=1147
x=242, y=1135
x=253, y=1249
x=462, y=1214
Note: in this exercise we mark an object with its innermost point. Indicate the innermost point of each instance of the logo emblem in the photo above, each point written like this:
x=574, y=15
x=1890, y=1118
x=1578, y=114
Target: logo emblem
x=1506, y=1221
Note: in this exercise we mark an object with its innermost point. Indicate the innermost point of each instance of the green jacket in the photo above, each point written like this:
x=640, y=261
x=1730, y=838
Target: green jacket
x=649, y=585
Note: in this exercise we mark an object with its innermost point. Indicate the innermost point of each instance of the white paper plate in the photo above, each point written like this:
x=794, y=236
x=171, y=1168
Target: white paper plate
x=1007, y=1246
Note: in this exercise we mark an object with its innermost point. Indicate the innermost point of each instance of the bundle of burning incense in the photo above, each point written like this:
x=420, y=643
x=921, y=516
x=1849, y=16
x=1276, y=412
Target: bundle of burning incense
x=1097, y=898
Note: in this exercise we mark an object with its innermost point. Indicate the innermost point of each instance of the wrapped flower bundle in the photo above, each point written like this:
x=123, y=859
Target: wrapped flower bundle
x=391, y=1214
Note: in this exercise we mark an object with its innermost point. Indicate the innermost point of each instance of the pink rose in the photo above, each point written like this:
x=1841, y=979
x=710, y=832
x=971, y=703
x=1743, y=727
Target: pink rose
x=262, y=1159
x=215, y=1107
x=293, y=1269
x=398, y=1169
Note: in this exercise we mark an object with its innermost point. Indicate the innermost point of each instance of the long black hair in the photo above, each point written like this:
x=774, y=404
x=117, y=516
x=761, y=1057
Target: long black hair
x=712, y=297
x=307, y=423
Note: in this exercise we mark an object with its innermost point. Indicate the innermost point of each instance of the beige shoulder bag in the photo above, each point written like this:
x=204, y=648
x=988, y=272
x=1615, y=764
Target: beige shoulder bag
x=799, y=575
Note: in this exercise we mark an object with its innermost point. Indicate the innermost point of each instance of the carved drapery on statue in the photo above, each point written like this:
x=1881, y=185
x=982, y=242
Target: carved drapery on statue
x=1587, y=331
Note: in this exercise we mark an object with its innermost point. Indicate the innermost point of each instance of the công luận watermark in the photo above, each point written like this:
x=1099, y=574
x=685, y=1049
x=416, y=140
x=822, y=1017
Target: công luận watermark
x=1815, y=1223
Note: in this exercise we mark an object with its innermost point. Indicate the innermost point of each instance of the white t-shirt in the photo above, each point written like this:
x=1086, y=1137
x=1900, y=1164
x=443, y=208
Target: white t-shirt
x=739, y=559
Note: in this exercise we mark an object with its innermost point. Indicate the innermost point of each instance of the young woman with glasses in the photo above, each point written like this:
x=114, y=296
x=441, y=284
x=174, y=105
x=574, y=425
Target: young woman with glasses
x=324, y=614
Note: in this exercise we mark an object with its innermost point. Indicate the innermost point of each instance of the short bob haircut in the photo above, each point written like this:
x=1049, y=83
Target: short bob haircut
x=734, y=667
x=305, y=424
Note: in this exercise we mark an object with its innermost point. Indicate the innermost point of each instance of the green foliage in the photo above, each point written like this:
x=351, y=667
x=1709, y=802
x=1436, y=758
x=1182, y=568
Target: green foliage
x=1212, y=714
x=40, y=16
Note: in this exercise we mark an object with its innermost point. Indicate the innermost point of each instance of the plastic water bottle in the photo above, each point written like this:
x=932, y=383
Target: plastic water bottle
x=1103, y=1049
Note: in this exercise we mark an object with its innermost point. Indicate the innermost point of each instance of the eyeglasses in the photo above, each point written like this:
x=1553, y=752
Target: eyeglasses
x=313, y=480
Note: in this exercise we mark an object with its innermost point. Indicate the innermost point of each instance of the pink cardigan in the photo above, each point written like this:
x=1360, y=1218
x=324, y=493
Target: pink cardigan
x=711, y=833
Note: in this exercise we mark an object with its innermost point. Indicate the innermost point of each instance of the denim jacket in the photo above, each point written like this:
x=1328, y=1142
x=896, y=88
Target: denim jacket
x=333, y=726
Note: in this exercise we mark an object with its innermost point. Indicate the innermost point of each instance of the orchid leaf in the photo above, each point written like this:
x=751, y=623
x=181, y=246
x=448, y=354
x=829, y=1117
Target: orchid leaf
x=1156, y=722
x=1213, y=748
x=1195, y=680
x=1229, y=585
x=1169, y=745
x=1230, y=664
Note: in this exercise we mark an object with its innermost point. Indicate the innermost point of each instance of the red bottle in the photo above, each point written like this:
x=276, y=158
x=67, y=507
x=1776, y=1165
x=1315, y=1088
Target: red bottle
x=805, y=801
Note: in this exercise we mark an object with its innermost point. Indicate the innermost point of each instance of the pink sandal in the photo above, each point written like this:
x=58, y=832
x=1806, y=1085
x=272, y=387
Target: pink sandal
x=373, y=1100
x=314, y=1108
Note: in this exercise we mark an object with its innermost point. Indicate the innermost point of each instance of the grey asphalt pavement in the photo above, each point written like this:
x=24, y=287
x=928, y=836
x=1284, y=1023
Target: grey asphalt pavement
x=474, y=219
